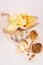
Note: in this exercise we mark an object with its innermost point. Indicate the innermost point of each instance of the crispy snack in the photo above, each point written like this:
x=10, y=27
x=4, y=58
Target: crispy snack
x=35, y=24
x=33, y=55
x=30, y=58
x=29, y=20
x=23, y=45
x=28, y=54
x=36, y=48
x=33, y=35
x=19, y=20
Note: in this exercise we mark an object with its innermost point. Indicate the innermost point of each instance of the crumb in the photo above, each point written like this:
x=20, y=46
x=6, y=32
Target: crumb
x=30, y=59
x=28, y=50
x=28, y=54
x=33, y=55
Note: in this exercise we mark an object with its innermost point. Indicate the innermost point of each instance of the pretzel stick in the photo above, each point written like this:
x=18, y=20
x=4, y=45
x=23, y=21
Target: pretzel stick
x=5, y=14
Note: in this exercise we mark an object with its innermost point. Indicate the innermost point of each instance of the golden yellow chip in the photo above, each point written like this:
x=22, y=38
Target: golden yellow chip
x=21, y=20
x=30, y=21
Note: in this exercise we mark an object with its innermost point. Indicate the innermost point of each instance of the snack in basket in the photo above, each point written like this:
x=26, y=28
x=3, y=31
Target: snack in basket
x=19, y=20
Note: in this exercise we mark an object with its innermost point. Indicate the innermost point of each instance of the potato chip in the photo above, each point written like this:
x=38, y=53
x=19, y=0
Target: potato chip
x=23, y=21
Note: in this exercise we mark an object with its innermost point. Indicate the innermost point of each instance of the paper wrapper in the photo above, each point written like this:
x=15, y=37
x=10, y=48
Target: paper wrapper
x=11, y=34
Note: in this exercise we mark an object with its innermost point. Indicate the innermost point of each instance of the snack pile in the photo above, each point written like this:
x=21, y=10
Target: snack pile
x=23, y=21
x=18, y=29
